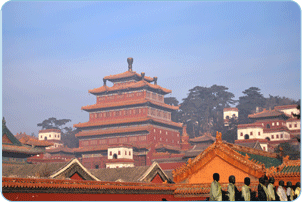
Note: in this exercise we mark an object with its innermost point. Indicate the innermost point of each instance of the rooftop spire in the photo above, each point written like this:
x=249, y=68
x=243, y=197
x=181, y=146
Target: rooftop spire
x=130, y=62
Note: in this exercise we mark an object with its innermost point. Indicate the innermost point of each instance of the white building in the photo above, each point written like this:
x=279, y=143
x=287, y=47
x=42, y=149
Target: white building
x=275, y=126
x=229, y=113
x=51, y=135
x=120, y=156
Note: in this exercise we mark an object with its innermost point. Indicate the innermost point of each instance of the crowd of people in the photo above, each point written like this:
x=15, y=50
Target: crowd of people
x=266, y=190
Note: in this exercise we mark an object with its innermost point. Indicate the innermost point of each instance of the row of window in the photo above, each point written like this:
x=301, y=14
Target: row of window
x=119, y=96
x=155, y=96
x=160, y=139
x=119, y=153
x=159, y=113
x=114, y=113
x=115, y=140
x=272, y=136
x=41, y=136
x=295, y=125
x=160, y=131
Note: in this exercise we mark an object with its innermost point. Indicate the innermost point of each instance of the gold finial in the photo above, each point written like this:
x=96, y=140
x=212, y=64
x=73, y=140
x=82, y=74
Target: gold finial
x=130, y=62
x=218, y=137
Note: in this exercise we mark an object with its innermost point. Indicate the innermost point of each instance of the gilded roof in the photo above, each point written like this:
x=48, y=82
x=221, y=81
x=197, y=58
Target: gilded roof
x=126, y=120
x=127, y=103
x=132, y=85
x=126, y=74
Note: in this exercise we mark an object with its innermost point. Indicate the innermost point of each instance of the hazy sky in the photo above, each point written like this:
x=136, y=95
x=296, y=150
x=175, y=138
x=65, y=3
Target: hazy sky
x=54, y=52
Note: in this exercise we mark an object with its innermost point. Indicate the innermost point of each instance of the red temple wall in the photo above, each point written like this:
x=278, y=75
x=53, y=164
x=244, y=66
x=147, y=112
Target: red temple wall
x=76, y=176
x=120, y=98
x=93, y=197
x=156, y=135
x=122, y=114
x=157, y=179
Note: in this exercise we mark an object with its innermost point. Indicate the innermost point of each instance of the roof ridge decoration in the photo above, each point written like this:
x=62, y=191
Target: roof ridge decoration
x=67, y=169
x=224, y=151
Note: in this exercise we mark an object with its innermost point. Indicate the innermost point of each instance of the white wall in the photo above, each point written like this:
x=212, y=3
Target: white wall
x=50, y=136
x=248, y=130
x=119, y=165
x=230, y=114
x=115, y=150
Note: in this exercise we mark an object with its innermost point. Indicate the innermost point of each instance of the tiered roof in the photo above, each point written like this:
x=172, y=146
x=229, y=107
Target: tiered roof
x=127, y=74
x=127, y=120
x=127, y=104
x=129, y=86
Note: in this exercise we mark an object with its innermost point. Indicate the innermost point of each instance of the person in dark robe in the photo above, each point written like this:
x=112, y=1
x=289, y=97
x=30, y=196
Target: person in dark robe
x=262, y=190
x=246, y=190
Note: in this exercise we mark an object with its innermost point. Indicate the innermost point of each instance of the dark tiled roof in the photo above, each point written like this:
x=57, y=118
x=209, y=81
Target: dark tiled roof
x=130, y=174
x=267, y=113
x=254, y=145
x=9, y=135
x=31, y=170
x=267, y=161
x=290, y=169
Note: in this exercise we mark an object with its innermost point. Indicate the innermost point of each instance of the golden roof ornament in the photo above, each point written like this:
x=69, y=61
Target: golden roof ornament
x=218, y=137
x=130, y=62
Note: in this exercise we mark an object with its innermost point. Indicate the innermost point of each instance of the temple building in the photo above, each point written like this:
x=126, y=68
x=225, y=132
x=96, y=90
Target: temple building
x=13, y=151
x=228, y=114
x=132, y=112
x=271, y=127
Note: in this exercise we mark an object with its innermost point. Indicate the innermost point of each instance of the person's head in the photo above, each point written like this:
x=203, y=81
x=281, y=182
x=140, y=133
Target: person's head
x=261, y=180
x=271, y=180
x=232, y=179
x=289, y=184
x=247, y=181
x=281, y=183
x=298, y=184
x=216, y=176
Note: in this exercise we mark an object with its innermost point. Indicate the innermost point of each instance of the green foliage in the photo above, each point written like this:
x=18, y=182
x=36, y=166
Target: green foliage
x=68, y=133
x=174, y=102
x=53, y=123
x=286, y=149
x=249, y=102
x=202, y=110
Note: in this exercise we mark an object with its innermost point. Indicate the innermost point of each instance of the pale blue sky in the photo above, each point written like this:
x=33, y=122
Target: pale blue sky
x=54, y=52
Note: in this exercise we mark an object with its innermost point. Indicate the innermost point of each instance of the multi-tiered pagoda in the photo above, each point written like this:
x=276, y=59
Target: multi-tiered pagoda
x=129, y=114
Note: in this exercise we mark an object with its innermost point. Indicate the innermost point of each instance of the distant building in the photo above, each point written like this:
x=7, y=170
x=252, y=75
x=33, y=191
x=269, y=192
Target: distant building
x=52, y=135
x=271, y=127
x=228, y=114
x=13, y=151
x=131, y=112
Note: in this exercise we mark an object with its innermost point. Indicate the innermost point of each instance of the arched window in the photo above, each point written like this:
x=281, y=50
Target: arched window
x=268, y=139
x=246, y=136
x=227, y=117
x=268, y=126
x=114, y=156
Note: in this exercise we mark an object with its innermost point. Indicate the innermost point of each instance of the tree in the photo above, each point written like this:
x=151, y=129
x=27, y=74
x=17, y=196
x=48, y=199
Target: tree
x=202, y=109
x=174, y=102
x=53, y=123
x=273, y=101
x=249, y=102
x=286, y=149
x=68, y=133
